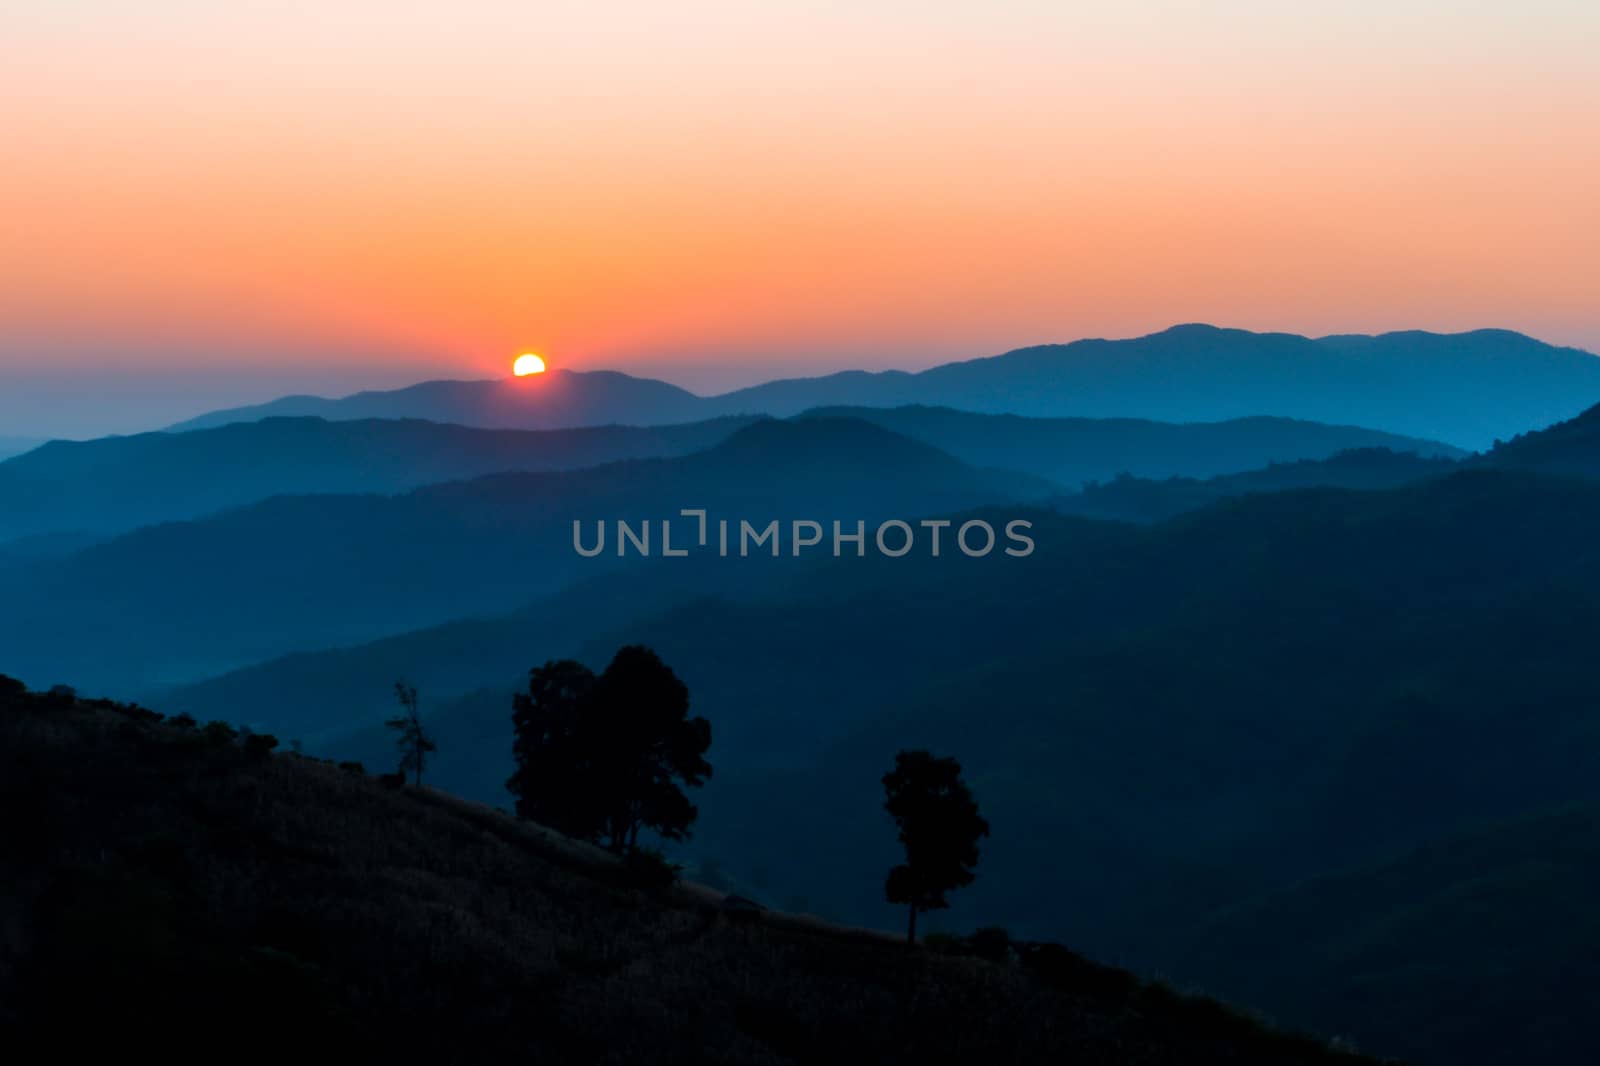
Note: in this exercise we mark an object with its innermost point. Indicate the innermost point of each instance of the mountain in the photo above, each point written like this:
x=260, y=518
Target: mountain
x=120, y=483
x=195, y=892
x=1072, y=451
x=1567, y=449
x=299, y=572
x=10, y=446
x=1466, y=388
x=116, y=484
x=1161, y=723
x=1131, y=499
x=1489, y=934
x=1570, y=448
x=558, y=399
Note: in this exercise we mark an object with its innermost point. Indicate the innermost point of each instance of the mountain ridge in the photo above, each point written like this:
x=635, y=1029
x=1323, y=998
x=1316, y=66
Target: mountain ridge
x=115, y=484
x=1498, y=382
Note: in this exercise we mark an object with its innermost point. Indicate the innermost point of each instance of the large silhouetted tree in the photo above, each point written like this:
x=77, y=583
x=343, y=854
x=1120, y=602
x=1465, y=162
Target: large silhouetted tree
x=600, y=758
x=940, y=828
x=413, y=741
x=555, y=780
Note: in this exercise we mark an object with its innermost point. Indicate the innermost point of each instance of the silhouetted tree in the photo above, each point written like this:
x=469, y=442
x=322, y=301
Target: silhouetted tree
x=413, y=741
x=940, y=828
x=600, y=758
x=555, y=777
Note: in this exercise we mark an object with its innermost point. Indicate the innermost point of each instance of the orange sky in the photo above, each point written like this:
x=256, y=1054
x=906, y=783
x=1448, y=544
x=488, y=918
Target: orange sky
x=718, y=192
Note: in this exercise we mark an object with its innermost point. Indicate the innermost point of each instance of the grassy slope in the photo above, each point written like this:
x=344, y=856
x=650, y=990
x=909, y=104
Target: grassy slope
x=178, y=890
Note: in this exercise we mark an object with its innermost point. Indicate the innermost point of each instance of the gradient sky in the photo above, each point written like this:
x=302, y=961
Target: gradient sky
x=210, y=203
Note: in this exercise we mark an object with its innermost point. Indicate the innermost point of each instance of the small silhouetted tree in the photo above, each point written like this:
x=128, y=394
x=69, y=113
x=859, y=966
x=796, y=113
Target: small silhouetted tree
x=413, y=741
x=600, y=758
x=939, y=826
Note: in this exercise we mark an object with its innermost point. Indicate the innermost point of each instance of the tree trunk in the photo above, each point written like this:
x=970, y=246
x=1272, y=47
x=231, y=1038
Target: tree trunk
x=911, y=932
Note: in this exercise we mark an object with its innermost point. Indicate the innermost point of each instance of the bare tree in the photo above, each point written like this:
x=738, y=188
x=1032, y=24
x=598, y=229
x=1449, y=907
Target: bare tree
x=413, y=741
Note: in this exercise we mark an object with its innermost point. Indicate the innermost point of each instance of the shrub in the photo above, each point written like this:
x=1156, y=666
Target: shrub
x=182, y=721
x=11, y=688
x=1071, y=972
x=992, y=943
x=219, y=734
x=350, y=766
x=644, y=868
x=142, y=714
x=260, y=745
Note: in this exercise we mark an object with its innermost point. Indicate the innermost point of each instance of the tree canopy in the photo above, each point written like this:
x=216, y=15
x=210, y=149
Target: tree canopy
x=602, y=757
x=939, y=826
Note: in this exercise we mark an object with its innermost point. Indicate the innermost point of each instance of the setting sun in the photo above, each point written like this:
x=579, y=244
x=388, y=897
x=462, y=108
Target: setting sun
x=526, y=364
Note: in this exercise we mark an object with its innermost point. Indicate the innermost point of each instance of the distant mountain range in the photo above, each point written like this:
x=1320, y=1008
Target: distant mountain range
x=1135, y=499
x=559, y=399
x=119, y=483
x=1071, y=451
x=297, y=572
x=1467, y=389
x=116, y=484
x=1181, y=730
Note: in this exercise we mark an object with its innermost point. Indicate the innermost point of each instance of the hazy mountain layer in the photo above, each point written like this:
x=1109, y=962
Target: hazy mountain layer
x=1466, y=389
x=119, y=483
x=10, y=446
x=189, y=599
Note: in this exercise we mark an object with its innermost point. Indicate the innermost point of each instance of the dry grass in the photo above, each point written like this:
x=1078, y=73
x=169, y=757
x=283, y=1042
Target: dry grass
x=187, y=896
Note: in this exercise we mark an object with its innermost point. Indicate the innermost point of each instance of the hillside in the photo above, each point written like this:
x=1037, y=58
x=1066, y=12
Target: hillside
x=299, y=572
x=1134, y=499
x=10, y=446
x=1270, y=689
x=1466, y=389
x=116, y=484
x=1570, y=448
x=1480, y=946
x=1071, y=451
x=185, y=891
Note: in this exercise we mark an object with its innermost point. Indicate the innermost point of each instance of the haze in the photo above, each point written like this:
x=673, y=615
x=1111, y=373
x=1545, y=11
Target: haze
x=212, y=204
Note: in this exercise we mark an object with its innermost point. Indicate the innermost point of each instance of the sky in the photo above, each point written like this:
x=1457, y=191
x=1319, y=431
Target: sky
x=214, y=203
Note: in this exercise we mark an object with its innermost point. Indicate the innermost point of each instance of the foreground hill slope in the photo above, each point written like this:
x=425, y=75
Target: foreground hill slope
x=177, y=888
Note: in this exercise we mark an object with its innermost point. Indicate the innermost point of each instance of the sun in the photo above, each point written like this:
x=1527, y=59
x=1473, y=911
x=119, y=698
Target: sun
x=526, y=364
